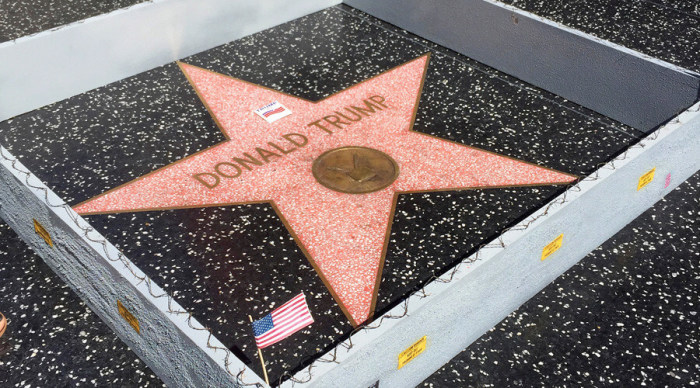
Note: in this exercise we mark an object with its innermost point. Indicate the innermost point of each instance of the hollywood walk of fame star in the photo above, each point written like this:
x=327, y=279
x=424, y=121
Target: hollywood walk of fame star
x=339, y=214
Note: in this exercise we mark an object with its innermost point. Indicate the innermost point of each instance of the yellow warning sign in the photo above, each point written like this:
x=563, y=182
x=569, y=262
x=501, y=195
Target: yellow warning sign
x=552, y=247
x=42, y=232
x=412, y=351
x=129, y=317
x=646, y=178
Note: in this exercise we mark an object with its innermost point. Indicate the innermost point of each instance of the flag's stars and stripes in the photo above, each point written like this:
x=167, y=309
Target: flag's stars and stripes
x=271, y=112
x=282, y=322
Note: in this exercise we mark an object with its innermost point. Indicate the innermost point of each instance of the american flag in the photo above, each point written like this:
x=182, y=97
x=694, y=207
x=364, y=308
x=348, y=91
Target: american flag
x=282, y=322
x=271, y=112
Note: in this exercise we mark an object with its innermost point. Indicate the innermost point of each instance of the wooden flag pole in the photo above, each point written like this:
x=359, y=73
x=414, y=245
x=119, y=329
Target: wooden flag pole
x=262, y=360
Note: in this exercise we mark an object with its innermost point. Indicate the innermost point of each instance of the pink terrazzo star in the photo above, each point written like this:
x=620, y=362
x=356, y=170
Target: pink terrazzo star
x=344, y=236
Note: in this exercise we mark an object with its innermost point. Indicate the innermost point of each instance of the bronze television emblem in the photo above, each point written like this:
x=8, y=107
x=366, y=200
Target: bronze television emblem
x=355, y=170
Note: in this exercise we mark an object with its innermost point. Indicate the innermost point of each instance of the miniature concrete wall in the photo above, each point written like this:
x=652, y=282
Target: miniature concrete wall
x=505, y=274
x=173, y=344
x=630, y=87
x=53, y=65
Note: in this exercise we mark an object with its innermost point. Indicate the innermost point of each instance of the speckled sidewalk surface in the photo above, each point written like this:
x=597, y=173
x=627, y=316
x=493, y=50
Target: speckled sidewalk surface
x=606, y=321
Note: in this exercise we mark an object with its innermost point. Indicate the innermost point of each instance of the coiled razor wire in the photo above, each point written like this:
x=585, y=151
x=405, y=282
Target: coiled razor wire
x=331, y=356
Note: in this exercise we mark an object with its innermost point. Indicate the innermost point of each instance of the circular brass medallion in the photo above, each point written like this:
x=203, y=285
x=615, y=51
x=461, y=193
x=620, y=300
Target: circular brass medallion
x=355, y=170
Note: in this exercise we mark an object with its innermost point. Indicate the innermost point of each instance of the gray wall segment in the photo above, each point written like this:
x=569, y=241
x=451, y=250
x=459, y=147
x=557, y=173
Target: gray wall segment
x=53, y=65
x=618, y=82
x=506, y=275
x=172, y=343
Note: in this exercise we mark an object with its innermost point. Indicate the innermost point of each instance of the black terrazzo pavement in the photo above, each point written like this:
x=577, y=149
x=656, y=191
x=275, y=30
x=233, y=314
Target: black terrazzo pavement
x=227, y=262
x=26, y=17
x=689, y=7
x=625, y=316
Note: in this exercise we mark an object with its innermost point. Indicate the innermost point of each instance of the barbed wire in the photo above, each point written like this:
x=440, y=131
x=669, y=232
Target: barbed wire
x=447, y=276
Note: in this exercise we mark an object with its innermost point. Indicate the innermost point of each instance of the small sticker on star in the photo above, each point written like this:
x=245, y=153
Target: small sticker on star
x=273, y=112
